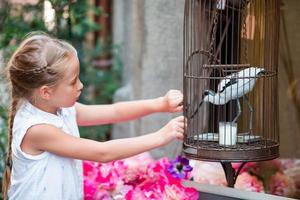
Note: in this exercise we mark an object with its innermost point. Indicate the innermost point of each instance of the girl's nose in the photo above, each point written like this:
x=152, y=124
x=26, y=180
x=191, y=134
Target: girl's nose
x=80, y=85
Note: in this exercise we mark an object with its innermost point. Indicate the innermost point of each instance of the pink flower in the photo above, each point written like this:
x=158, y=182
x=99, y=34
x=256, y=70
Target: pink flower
x=213, y=173
x=120, y=191
x=250, y=183
x=136, y=166
x=272, y=166
x=157, y=183
x=106, y=174
x=135, y=178
x=177, y=192
x=248, y=167
x=290, y=163
x=208, y=173
x=89, y=189
x=282, y=185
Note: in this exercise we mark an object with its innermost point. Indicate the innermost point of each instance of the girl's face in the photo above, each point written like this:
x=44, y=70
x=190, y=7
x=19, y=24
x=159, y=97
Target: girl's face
x=67, y=92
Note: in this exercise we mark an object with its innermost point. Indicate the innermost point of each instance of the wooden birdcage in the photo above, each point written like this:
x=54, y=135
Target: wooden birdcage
x=230, y=81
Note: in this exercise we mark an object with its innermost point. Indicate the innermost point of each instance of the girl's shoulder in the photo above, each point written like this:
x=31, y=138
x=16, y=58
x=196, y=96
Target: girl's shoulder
x=27, y=110
x=28, y=115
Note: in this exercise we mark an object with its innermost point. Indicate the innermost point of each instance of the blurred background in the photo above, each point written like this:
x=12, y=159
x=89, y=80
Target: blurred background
x=132, y=49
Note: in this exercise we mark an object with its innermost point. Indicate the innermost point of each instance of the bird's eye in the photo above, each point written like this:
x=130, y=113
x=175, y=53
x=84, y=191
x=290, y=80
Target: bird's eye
x=205, y=92
x=261, y=73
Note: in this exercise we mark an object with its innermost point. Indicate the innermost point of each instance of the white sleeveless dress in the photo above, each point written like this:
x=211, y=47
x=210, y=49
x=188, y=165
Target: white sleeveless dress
x=45, y=176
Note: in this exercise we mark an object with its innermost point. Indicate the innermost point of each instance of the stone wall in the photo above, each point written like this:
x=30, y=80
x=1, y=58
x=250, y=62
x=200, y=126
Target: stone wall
x=150, y=35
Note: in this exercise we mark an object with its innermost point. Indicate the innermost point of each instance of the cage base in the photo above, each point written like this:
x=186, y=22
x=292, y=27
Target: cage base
x=211, y=151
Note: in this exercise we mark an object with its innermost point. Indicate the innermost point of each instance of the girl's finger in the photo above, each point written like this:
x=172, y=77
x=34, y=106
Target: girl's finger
x=180, y=118
x=179, y=136
x=180, y=130
x=179, y=108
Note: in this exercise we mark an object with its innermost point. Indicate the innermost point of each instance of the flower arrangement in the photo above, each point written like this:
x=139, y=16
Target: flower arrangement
x=138, y=178
x=267, y=176
x=141, y=177
x=272, y=175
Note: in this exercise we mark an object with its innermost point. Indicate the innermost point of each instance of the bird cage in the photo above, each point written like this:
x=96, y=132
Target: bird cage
x=230, y=81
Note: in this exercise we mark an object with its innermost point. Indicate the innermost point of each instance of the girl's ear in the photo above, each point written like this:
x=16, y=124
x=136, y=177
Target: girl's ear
x=44, y=92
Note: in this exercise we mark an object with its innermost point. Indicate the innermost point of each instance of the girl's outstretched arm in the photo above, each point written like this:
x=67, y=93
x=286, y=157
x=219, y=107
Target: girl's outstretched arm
x=43, y=137
x=124, y=111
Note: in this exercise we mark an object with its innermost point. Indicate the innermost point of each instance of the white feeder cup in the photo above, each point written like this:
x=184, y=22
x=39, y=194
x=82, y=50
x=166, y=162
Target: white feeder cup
x=227, y=133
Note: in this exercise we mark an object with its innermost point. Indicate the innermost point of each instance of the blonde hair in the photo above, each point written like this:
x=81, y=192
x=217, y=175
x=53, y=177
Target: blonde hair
x=39, y=60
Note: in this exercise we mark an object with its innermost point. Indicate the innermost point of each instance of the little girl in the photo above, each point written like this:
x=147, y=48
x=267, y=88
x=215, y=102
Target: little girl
x=44, y=149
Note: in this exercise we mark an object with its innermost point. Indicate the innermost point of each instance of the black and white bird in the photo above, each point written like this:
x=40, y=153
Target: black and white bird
x=233, y=87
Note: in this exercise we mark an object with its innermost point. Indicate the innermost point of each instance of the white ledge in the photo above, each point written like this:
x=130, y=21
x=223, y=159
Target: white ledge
x=231, y=192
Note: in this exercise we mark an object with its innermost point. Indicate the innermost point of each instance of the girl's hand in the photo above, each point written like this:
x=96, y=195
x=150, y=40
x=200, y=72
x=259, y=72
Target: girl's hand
x=172, y=130
x=172, y=101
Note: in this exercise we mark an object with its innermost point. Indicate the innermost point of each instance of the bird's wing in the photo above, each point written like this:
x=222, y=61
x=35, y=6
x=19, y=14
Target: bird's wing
x=227, y=83
x=224, y=82
x=240, y=81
